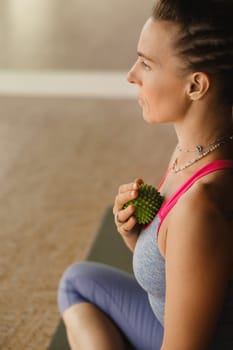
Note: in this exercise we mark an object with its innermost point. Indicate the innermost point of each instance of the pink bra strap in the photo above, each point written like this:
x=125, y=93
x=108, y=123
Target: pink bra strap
x=206, y=169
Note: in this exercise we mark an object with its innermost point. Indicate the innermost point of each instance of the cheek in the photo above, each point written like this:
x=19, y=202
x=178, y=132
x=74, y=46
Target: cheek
x=158, y=95
x=157, y=88
x=165, y=100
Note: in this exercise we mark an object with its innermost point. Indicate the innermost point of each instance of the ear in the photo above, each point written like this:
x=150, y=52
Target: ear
x=198, y=85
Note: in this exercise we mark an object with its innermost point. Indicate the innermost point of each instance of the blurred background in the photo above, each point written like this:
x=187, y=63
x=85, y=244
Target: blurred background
x=71, y=132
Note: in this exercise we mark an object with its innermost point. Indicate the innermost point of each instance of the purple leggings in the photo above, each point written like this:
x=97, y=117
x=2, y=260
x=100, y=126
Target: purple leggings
x=118, y=295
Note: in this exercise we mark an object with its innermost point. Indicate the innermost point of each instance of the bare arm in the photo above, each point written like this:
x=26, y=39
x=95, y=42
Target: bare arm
x=198, y=261
x=124, y=219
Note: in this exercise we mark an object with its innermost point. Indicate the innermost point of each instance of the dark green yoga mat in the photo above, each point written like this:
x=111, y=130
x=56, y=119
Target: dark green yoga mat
x=108, y=248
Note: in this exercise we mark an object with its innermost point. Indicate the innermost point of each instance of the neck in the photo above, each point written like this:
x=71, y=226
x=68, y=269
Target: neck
x=204, y=126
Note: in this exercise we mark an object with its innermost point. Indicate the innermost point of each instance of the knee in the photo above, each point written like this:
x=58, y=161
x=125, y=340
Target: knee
x=78, y=284
x=78, y=273
x=72, y=281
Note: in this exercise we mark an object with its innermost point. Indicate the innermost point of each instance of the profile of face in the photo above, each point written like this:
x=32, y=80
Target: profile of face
x=162, y=84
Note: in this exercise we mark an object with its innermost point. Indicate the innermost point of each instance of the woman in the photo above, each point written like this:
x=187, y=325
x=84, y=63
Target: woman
x=181, y=296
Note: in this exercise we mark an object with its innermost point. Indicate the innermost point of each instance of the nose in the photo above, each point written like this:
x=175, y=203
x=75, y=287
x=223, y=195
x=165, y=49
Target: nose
x=131, y=77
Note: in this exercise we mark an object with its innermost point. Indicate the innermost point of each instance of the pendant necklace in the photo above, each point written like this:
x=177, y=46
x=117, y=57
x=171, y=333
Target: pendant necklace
x=202, y=152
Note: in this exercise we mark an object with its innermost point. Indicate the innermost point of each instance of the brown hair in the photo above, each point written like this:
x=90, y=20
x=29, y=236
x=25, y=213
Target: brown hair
x=206, y=37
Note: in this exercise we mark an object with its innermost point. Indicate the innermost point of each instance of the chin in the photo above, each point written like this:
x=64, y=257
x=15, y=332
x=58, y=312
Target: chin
x=150, y=119
x=157, y=118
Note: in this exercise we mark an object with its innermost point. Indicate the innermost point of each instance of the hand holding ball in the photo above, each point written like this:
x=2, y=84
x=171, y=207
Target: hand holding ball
x=147, y=204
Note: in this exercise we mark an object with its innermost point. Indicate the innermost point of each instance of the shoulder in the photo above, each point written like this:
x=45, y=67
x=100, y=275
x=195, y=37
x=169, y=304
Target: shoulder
x=212, y=195
x=213, y=191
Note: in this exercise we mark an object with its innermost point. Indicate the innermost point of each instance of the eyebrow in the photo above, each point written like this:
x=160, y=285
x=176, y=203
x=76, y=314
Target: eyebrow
x=140, y=54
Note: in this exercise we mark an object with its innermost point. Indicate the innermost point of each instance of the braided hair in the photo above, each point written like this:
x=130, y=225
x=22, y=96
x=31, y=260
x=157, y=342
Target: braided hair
x=205, y=40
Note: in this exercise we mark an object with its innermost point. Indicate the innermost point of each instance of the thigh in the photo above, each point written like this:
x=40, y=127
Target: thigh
x=118, y=295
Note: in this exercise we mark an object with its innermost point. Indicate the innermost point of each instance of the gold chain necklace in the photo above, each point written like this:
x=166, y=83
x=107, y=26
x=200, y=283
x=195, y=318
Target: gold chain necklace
x=202, y=153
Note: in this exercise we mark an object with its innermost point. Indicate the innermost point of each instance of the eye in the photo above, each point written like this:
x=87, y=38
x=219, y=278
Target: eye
x=145, y=65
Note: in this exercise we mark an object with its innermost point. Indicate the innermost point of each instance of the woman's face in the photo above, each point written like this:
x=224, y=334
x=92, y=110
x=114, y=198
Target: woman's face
x=157, y=72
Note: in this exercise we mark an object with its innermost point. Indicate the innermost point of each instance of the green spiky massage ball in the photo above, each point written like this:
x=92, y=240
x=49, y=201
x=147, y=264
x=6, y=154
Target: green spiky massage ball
x=147, y=204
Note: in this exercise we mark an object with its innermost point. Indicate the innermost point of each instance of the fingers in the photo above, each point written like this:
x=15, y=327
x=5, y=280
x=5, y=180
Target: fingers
x=139, y=181
x=123, y=198
x=131, y=186
x=128, y=187
x=125, y=221
x=126, y=193
x=128, y=227
x=122, y=216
